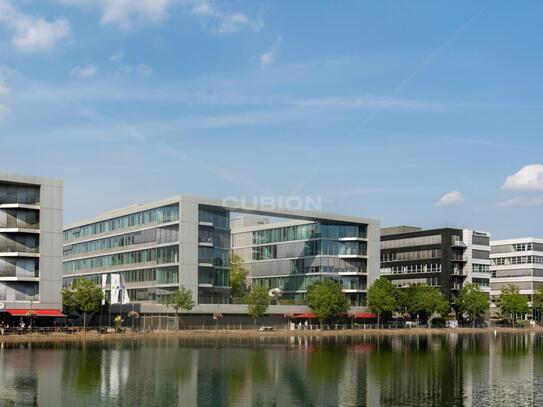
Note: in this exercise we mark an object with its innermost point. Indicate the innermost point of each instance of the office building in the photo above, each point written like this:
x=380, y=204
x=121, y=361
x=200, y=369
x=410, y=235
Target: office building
x=446, y=258
x=292, y=255
x=30, y=246
x=149, y=251
x=516, y=262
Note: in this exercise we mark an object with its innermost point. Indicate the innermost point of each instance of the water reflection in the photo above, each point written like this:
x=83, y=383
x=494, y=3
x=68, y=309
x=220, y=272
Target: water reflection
x=445, y=370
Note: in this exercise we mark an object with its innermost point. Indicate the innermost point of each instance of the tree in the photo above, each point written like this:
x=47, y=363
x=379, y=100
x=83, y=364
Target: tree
x=425, y=301
x=83, y=296
x=511, y=302
x=382, y=297
x=537, y=303
x=237, y=277
x=327, y=299
x=179, y=300
x=472, y=301
x=257, y=301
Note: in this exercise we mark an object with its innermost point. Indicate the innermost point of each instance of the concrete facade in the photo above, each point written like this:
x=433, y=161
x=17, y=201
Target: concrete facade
x=518, y=262
x=31, y=210
x=447, y=258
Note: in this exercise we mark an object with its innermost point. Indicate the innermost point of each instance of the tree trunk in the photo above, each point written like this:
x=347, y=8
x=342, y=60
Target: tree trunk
x=378, y=319
x=473, y=322
x=177, y=321
x=84, y=320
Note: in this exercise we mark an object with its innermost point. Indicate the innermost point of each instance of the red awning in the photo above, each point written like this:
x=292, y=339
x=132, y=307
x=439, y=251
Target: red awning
x=363, y=315
x=306, y=315
x=38, y=312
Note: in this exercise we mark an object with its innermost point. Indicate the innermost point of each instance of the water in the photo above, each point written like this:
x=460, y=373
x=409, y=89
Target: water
x=445, y=370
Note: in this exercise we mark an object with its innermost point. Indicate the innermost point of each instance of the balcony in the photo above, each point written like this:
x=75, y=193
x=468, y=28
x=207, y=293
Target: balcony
x=459, y=243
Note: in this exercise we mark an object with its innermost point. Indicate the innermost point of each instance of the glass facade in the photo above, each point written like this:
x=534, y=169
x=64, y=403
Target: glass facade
x=153, y=216
x=19, y=242
x=158, y=275
x=309, y=231
x=160, y=255
x=214, y=231
x=156, y=235
x=19, y=218
x=21, y=194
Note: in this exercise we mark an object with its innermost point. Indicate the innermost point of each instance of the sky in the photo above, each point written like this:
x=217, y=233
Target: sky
x=420, y=113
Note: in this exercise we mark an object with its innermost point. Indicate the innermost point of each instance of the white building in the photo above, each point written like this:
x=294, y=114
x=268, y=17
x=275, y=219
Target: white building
x=518, y=262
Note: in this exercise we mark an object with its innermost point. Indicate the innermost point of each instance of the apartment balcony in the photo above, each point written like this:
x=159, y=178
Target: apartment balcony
x=460, y=244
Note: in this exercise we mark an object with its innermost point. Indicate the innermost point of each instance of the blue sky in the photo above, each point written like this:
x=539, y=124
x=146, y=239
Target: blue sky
x=423, y=112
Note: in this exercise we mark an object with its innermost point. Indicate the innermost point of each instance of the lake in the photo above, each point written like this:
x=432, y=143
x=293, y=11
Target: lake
x=441, y=370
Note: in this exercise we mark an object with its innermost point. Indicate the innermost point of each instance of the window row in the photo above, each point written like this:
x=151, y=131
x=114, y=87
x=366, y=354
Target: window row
x=412, y=255
x=159, y=235
x=302, y=283
x=326, y=265
x=219, y=218
x=216, y=256
x=506, y=261
x=19, y=242
x=160, y=255
x=309, y=231
x=411, y=241
x=481, y=268
x=11, y=291
x=218, y=237
x=412, y=269
x=429, y=281
x=19, y=218
x=19, y=267
x=158, y=215
x=160, y=275
x=22, y=194
x=522, y=247
x=215, y=276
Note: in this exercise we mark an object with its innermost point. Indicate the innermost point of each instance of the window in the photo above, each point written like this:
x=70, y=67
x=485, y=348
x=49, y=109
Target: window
x=158, y=215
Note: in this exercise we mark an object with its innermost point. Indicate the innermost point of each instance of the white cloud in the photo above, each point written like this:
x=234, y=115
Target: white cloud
x=117, y=56
x=127, y=13
x=268, y=57
x=528, y=178
x=451, y=198
x=33, y=33
x=84, y=72
x=227, y=22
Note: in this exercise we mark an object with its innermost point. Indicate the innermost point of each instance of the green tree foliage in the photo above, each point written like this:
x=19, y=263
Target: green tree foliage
x=472, y=301
x=512, y=303
x=257, y=301
x=537, y=303
x=179, y=300
x=327, y=299
x=424, y=301
x=83, y=296
x=382, y=297
x=237, y=276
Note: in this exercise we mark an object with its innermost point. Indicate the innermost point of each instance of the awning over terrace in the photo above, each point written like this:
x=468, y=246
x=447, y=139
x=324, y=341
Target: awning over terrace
x=37, y=312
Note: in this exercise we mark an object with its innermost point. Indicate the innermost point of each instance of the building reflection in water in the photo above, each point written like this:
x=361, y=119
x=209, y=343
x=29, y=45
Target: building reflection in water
x=470, y=370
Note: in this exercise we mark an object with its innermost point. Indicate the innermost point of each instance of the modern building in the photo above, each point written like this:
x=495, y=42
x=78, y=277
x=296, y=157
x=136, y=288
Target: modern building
x=518, y=262
x=446, y=258
x=148, y=251
x=292, y=255
x=30, y=246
